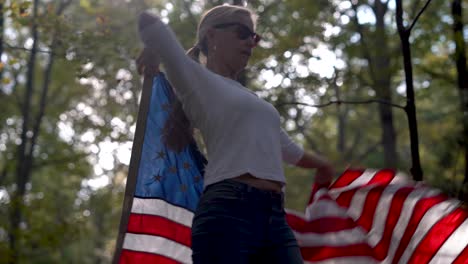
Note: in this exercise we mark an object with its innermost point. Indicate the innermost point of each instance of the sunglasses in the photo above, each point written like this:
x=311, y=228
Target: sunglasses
x=242, y=31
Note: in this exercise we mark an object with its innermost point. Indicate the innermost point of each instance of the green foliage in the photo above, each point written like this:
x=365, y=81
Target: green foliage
x=93, y=97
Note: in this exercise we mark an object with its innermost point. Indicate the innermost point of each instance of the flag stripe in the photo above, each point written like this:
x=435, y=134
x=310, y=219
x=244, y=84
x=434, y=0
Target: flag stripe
x=135, y=257
x=344, y=199
x=463, y=257
x=163, y=209
x=362, y=180
x=335, y=239
x=159, y=226
x=326, y=208
x=370, y=206
x=420, y=209
x=324, y=252
x=395, y=210
x=393, y=218
x=382, y=177
x=454, y=246
x=405, y=215
x=427, y=222
x=346, y=179
x=320, y=226
x=158, y=245
x=438, y=235
x=345, y=260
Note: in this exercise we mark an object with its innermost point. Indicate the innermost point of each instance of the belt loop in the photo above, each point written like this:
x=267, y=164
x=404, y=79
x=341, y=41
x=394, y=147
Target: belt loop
x=249, y=188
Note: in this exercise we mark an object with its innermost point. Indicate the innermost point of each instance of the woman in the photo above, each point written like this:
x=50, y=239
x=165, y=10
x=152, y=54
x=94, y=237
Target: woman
x=240, y=217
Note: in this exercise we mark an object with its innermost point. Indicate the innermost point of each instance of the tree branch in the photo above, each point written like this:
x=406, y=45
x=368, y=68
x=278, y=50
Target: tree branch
x=437, y=75
x=46, y=82
x=418, y=15
x=50, y=162
x=9, y=46
x=343, y=102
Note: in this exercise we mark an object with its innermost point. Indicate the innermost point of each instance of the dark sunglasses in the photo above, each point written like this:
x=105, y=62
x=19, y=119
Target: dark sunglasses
x=243, y=32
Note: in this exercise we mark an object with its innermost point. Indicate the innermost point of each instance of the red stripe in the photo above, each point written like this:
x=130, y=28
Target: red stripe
x=382, y=177
x=462, y=258
x=324, y=252
x=319, y=226
x=394, y=213
x=420, y=209
x=345, y=198
x=346, y=178
x=370, y=205
x=132, y=257
x=437, y=236
x=159, y=226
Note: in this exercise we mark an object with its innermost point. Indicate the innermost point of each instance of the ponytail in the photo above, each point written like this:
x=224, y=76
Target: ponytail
x=177, y=131
x=194, y=53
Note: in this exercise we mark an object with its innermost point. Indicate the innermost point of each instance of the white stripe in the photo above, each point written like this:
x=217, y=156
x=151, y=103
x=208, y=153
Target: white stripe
x=158, y=245
x=406, y=213
x=358, y=201
x=321, y=192
x=294, y=212
x=161, y=208
x=453, y=246
x=401, y=178
x=324, y=208
x=381, y=213
x=345, y=260
x=362, y=180
x=338, y=238
x=431, y=217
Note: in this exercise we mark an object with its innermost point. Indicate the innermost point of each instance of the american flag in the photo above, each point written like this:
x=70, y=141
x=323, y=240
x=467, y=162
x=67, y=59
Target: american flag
x=380, y=216
x=163, y=187
x=365, y=216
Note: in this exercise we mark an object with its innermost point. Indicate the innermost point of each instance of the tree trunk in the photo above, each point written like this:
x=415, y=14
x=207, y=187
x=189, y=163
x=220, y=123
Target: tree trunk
x=29, y=142
x=24, y=161
x=410, y=108
x=462, y=77
x=382, y=81
x=2, y=24
x=379, y=69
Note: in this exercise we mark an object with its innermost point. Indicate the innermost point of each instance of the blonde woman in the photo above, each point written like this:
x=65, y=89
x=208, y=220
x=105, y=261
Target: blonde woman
x=240, y=217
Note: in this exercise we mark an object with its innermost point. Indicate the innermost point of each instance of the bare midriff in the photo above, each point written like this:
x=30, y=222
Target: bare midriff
x=262, y=184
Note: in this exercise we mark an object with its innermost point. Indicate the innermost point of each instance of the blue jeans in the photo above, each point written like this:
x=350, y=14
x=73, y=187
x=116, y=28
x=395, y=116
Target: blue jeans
x=237, y=223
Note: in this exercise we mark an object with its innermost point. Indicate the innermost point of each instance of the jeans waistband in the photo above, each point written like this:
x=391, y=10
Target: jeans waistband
x=247, y=189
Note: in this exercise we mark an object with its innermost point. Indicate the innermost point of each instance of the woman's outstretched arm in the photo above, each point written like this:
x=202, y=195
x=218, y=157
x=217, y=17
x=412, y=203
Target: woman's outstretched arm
x=185, y=74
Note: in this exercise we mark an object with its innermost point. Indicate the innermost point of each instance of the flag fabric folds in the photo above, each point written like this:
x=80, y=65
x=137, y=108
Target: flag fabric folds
x=365, y=216
x=165, y=187
x=379, y=216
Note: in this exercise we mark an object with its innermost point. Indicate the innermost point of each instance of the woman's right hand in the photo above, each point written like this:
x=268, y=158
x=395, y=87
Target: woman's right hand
x=148, y=62
x=145, y=19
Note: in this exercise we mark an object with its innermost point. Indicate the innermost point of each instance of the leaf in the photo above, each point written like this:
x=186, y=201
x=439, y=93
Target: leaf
x=6, y=80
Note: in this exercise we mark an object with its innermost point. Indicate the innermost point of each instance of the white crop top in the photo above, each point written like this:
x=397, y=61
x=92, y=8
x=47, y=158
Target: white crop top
x=241, y=131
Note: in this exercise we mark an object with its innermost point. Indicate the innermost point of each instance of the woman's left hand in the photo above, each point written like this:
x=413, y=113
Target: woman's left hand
x=324, y=175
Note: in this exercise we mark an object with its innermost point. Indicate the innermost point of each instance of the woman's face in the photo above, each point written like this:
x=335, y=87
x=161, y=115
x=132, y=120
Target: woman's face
x=234, y=43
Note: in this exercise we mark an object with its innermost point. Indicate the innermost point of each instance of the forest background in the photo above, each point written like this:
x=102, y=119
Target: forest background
x=69, y=98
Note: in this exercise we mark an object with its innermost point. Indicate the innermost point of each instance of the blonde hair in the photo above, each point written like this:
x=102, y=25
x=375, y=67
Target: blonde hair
x=217, y=15
x=177, y=131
